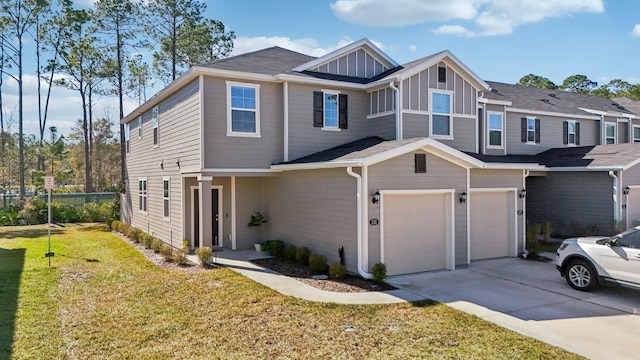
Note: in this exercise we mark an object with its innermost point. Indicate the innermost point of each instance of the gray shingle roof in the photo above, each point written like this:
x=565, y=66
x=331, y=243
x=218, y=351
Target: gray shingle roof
x=348, y=151
x=629, y=104
x=271, y=61
x=619, y=155
x=532, y=98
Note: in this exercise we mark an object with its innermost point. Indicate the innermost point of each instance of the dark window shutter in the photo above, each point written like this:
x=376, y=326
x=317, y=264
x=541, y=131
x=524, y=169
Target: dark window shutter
x=523, y=129
x=421, y=163
x=577, y=133
x=537, y=131
x=442, y=74
x=342, y=111
x=318, y=109
x=565, y=132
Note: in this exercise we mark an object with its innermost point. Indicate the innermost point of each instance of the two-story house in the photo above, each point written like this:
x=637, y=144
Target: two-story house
x=420, y=166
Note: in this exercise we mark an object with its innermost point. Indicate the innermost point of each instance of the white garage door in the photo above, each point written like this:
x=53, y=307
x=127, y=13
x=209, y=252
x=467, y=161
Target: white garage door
x=491, y=224
x=415, y=233
x=633, y=207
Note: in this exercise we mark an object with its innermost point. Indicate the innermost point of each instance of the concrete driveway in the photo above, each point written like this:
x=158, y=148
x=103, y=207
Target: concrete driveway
x=531, y=298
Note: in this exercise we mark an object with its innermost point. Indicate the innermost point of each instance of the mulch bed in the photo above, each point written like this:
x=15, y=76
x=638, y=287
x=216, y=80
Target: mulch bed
x=350, y=283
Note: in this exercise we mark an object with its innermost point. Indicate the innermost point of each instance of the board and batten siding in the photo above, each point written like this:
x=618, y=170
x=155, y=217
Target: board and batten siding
x=382, y=100
x=222, y=151
x=551, y=134
x=399, y=174
x=178, y=121
x=305, y=139
x=316, y=209
x=572, y=201
x=487, y=179
x=357, y=63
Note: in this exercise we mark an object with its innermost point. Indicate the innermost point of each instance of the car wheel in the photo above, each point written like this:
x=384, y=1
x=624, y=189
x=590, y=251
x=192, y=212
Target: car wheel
x=580, y=275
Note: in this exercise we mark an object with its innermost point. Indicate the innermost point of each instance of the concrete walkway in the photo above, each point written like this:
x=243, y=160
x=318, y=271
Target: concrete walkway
x=240, y=261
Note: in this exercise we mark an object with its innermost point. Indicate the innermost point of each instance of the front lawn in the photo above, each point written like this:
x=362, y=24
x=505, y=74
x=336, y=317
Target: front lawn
x=102, y=299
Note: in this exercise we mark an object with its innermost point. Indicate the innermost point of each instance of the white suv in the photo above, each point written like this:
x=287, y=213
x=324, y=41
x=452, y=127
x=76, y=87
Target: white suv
x=586, y=261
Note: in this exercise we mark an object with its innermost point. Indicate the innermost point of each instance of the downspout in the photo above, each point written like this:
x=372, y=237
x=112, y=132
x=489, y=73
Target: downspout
x=398, y=120
x=359, y=217
x=616, y=196
x=285, y=106
x=525, y=175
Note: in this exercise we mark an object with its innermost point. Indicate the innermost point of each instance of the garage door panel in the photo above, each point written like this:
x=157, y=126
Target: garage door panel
x=415, y=233
x=633, y=207
x=491, y=225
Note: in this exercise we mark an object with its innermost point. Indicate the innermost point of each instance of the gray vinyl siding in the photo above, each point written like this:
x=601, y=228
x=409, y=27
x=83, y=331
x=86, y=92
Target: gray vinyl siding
x=513, y=179
x=250, y=197
x=623, y=132
x=551, y=134
x=572, y=201
x=464, y=131
x=305, y=139
x=399, y=174
x=415, y=91
x=222, y=151
x=178, y=121
x=384, y=127
x=316, y=209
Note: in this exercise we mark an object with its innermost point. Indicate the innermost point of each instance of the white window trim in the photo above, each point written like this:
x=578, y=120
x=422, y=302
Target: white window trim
x=431, y=113
x=633, y=133
x=534, y=131
x=615, y=132
x=139, y=127
x=569, y=143
x=143, y=195
x=501, y=146
x=229, y=125
x=155, y=123
x=168, y=198
x=324, y=111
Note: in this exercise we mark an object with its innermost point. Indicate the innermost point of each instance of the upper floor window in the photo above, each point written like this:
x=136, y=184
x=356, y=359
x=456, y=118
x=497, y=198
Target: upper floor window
x=139, y=127
x=127, y=135
x=165, y=197
x=330, y=110
x=636, y=133
x=609, y=133
x=571, y=133
x=441, y=114
x=243, y=109
x=530, y=130
x=154, y=115
x=494, y=129
x=142, y=194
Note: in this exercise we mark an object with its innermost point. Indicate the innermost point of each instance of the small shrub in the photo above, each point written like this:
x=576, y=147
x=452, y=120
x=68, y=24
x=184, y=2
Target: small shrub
x=167, y=252
x=110, y=210
x=91, y=212
x=125, y=228
x=302, y=255
x=275, y=247
x=533, y=245
x=115, y=225
x=318, y=263
x=156, y=244
x=546, y=230
x=134, y=234
x=379, y=272
x=337, y=270
x=290, y=252
x=204, y=254
x=179, y=256
x=146, y=240
x=533, y=230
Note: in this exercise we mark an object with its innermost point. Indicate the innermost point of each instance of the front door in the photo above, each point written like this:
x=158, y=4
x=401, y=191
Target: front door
x=215, y=217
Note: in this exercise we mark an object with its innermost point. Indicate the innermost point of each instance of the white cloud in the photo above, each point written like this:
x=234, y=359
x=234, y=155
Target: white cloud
x=490, y=17
x=636, y=31
x=412, y=48
x=305, y=46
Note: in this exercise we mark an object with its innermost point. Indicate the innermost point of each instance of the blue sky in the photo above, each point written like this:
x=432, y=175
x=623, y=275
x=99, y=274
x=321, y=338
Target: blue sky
x=500, y=40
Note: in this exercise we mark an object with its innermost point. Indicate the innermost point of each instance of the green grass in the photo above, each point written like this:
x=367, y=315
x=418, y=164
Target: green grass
x=102, y=299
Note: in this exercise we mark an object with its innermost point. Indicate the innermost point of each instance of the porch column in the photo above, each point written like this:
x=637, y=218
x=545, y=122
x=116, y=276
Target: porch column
x=206, y=221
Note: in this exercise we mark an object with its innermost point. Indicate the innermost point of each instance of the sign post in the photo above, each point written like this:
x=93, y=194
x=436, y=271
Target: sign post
x=48, y=185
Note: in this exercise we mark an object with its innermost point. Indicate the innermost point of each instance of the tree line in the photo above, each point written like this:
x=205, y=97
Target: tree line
x=583, y=85
x=94, y=52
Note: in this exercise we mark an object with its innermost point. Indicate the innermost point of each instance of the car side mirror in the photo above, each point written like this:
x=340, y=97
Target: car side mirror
x=612, y=242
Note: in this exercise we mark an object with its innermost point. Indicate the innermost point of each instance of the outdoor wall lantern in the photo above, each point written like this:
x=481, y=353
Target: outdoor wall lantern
x=162, y=164
x=626, y=190
x=522, y=193
x=178, y=163
x=376, y=197
x=463, y=197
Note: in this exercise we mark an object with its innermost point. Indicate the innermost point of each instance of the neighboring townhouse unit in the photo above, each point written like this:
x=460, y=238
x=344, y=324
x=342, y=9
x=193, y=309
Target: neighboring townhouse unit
x=422, y=166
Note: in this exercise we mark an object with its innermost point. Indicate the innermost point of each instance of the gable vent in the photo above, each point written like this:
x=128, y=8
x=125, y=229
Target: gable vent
x=421, y=163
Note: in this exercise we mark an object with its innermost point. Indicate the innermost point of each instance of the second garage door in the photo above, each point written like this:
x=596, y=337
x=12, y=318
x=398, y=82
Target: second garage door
x=633, y=207
x=416, y=229
x=492, y=225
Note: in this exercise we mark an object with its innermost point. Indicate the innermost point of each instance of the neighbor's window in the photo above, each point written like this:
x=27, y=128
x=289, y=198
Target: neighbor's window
x=142, y=195
x=139, y=127
x=154, y=115
x=243, y=116
x=610, y=133
x=531, y=130
x=636, y=134
x=441, y=114
x=165, y=197
x=494, y=129
x=571, y=132
x=127, y=133
x=330, y=110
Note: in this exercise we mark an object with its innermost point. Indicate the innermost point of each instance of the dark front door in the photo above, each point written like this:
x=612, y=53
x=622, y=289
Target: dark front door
x=215, y=217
